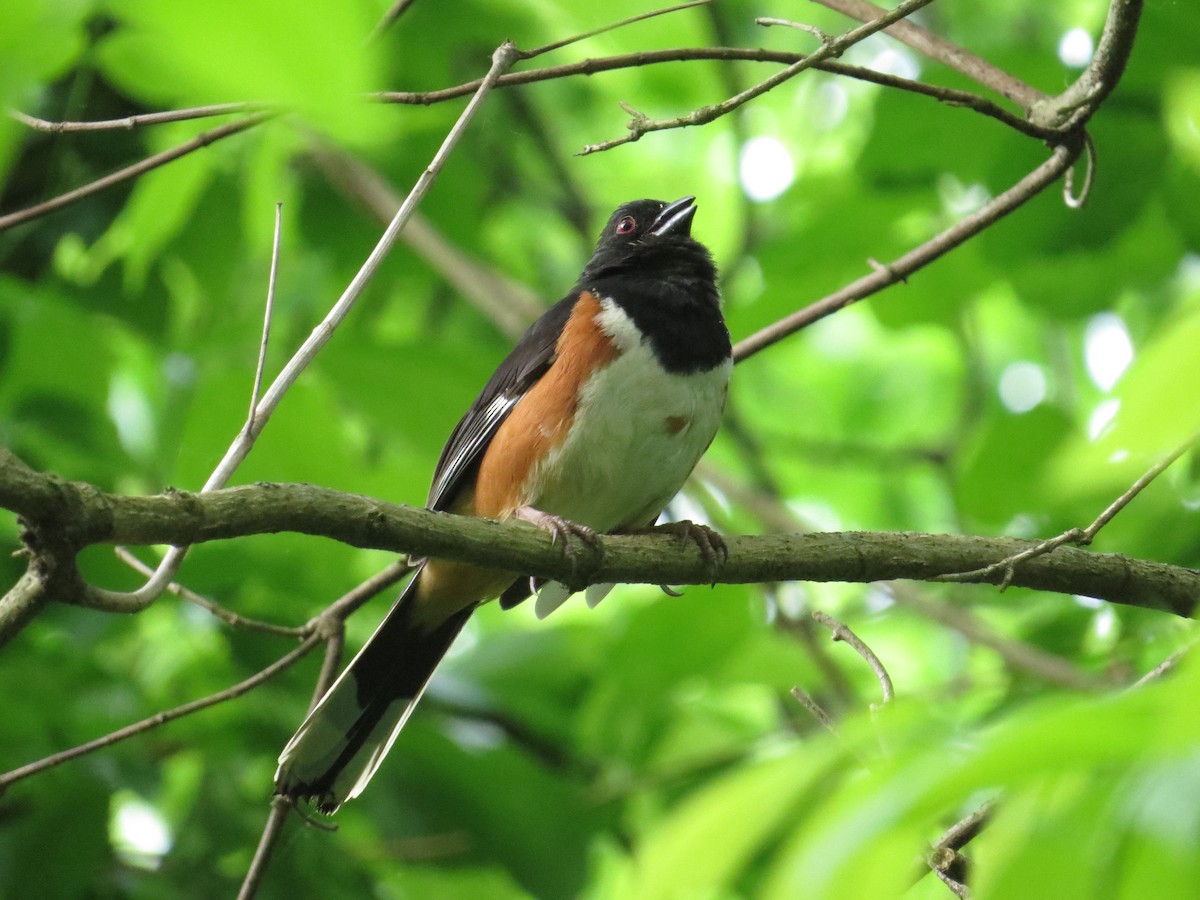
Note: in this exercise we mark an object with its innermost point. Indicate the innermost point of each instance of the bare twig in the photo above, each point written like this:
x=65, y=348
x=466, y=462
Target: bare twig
x=1072, y=198
x=948, y=96
x=394, y=12
x=160, y=718
x=814, y=708
x=282, y=806
x=225, y=615
x=604, y=29
x=1165, y=666
x=22, y=603
x=963, y=61
x=115, y=601
x=138, y=168
x=966, y=829
x=508, y=304
x=946, y=871
x=944, y=858
x=1079, y=536
x=999, y=207
x=822, y=36
x=1017, y=654
x=843, y=633
x=256, y=391
x=1073, y=107
x=341, y=609
x=128, y=123
x=641, y=125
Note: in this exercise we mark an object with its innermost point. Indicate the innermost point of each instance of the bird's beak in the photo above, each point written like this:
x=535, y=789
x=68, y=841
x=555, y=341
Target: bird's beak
x=675, y=219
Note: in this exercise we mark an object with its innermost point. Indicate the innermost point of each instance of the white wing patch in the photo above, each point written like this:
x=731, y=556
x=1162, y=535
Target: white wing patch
x=483, y=428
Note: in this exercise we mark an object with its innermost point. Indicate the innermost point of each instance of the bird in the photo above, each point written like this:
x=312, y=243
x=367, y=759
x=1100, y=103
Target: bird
x=590, y=425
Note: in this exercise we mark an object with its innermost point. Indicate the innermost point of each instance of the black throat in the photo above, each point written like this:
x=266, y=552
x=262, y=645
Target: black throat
x=669, y=290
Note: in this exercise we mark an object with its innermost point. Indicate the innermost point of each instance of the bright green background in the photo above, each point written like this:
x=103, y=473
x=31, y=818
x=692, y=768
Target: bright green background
x=649, y=748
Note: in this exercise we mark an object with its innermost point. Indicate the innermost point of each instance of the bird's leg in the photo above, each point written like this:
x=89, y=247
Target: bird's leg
x=712, y=547
x=561, y=530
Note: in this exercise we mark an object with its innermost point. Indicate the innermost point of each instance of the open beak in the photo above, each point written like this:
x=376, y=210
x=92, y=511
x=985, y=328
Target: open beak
x=675, y=219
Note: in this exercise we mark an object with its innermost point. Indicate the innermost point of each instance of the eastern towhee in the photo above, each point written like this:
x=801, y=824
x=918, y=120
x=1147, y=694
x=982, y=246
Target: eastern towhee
x=590, y=425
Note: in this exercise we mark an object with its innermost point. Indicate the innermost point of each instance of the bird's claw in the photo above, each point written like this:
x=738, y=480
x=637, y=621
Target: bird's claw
x=562, y=530
x=713, y=549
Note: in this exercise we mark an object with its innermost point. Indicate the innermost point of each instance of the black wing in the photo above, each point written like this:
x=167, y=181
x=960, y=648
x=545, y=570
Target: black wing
x=528, y=361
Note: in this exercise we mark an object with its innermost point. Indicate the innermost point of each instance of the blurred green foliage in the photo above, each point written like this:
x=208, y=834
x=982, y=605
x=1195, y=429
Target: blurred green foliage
x=650, y=748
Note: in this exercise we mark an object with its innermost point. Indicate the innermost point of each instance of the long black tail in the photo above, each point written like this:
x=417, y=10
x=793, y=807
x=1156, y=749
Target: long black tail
x=335, y=752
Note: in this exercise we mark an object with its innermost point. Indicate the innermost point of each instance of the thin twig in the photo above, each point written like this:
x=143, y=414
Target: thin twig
x=1079, y=536
x=128, y=123
x=958, y=888
x=394, y=12
x=1016, y=654
x=138, y=168
x=256, y=391
x=225, y=615
x=507, y=303
x=842, y=632
x=502, y=59
x=944, y=857
x=588, y=67
x=966, y=829
x=1165, y=666
x=1072, y=198
x=604, y=29
x=335, y=644
x=1029, y=186
x=814, y=708
x=281, y=807
x=768, y=21
x=161, y=718
x=935, y=47
x=640, y=124
x=341, y=609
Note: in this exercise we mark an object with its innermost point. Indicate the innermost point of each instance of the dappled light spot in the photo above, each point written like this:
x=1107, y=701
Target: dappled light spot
x=1102, y=417
x=138, y=832
x=1022, y=386
x=1075, y=48
x=766, y=168
x=1108, y=350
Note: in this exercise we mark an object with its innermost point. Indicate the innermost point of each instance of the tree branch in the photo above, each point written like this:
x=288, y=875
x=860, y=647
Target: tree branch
x=596, y=65
x=946, y=52
x=139, y=168
x=80, y=514
x=161, y=718
x=841, y=632
x=641, y=125
x=885, y=275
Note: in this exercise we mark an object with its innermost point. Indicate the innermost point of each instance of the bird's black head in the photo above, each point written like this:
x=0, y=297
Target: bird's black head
x=650, y=235
x=647, y=262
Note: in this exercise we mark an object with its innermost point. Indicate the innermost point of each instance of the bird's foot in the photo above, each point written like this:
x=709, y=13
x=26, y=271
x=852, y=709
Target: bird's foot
x=712, y=547
x=562, y=531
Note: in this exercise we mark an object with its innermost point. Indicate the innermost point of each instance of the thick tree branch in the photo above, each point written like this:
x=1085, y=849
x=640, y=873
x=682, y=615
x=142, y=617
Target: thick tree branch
x=81, y=515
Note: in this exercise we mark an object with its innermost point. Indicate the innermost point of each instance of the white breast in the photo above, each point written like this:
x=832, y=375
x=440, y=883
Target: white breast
x=638, y=433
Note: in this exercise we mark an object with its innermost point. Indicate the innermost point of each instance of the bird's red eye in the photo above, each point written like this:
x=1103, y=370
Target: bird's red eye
x=626, y=225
